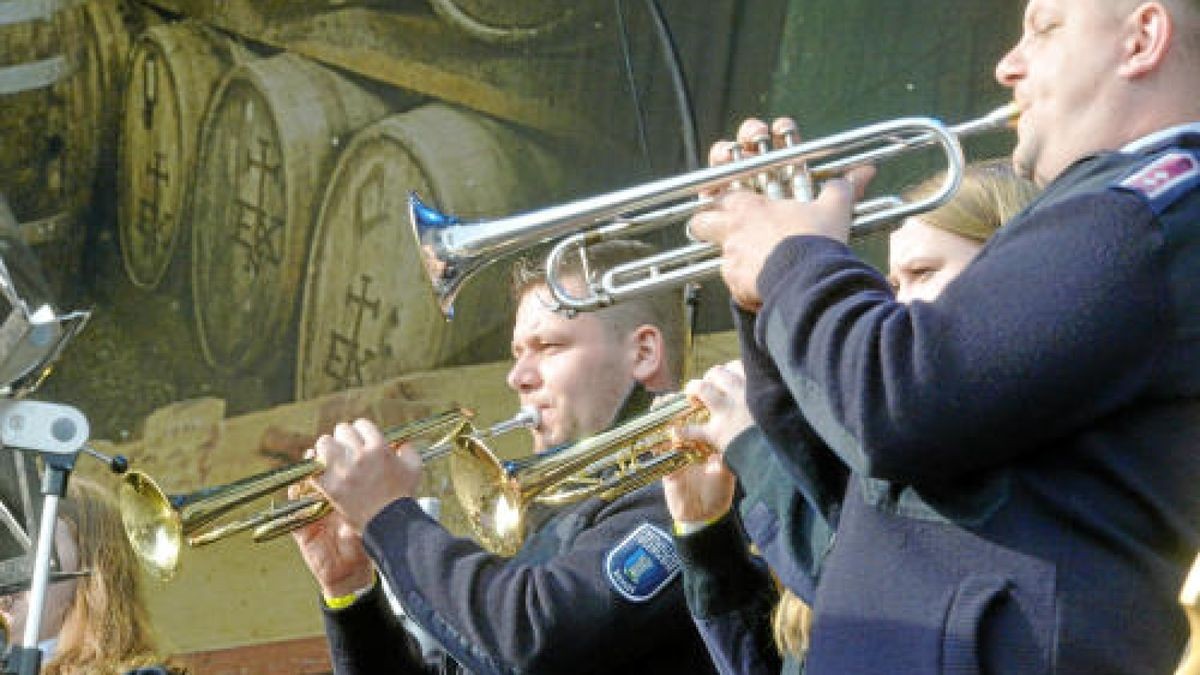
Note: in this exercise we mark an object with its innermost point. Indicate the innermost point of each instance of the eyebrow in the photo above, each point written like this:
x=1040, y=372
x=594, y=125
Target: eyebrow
x=925, y=260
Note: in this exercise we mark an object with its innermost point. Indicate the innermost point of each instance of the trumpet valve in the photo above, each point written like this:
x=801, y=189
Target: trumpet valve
x=736, y=154
x=768, y=181
x=800, y=179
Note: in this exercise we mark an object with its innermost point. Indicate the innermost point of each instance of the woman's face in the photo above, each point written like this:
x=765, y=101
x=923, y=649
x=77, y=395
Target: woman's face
x=922, y=259
x=59, y=595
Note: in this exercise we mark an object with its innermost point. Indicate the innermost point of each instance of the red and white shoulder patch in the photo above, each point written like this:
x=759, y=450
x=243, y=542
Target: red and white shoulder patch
x=1160, y=177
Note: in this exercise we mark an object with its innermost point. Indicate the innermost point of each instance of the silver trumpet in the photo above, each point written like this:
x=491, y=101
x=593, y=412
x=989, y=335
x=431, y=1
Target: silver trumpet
x=453, y=250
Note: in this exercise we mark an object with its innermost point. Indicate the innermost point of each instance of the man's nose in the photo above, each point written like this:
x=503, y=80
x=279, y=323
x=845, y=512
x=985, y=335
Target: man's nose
x=523, y=375
x=1010, y=67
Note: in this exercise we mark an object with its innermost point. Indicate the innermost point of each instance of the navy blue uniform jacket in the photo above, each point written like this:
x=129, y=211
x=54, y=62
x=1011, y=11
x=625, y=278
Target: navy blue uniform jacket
x=1024, y=451
x=594, y=589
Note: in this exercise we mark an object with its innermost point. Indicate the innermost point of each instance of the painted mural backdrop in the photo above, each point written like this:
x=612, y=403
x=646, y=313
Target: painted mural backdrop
x=225, y=183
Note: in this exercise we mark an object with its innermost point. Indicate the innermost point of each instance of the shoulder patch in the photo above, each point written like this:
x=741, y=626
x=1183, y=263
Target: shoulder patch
x=1165, y=179
x=642, y=564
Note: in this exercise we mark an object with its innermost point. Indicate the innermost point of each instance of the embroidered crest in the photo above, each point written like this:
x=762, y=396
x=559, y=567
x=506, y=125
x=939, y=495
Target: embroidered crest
x=1164, y=179
x=642, y=564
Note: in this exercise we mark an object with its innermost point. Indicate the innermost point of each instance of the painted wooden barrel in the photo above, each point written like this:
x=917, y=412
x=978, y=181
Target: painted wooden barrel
x=523, y=21
x=173, y=71
x=268, y=143
x=368, y=310
x=59, y=76
x=35, y=69
x=100, y=39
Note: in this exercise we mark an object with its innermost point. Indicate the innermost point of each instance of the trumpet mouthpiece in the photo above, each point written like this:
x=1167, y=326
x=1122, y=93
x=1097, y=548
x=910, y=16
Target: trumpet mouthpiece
x=1008, y=114
x=527, y=417
x=1004, y=117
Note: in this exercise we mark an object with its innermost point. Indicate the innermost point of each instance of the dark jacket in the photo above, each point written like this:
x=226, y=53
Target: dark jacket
x=553, y=608
x=729, y=592
x=594, y=589
x=1024, y=449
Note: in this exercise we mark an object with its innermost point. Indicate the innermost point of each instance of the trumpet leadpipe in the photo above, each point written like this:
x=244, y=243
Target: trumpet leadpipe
x=527, y=417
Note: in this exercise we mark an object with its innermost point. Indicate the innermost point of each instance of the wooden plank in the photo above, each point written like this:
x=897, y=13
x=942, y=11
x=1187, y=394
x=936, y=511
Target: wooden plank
x=303, y=656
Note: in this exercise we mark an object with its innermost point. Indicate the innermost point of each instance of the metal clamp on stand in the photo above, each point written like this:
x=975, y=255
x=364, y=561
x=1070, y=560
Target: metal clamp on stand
x=57, y=433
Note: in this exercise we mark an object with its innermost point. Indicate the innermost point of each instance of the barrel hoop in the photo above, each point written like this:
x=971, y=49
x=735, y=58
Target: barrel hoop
x=22, y=11
x=33, y=75
x=57, y=227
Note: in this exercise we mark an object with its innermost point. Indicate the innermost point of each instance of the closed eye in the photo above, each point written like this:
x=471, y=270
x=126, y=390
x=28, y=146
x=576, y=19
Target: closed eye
x=921, y=273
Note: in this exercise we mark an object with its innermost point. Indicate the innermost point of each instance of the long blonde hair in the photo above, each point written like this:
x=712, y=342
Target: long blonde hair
x=990, y=195
x=790, y=622
x=107, y=629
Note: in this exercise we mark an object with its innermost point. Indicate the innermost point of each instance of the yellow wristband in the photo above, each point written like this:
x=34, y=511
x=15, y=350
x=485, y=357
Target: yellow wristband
x=684, y=528
x=344, y=601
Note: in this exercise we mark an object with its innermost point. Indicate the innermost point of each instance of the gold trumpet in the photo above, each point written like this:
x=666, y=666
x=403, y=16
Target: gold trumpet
x=496, y=494
x=157, y=524
x=453, y=250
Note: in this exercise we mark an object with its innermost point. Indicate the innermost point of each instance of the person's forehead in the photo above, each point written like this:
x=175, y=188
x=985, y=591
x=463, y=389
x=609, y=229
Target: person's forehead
x=535, y=315
x=1037, y=8
x=919, y=240
x=913, y=234
x=1080, y=7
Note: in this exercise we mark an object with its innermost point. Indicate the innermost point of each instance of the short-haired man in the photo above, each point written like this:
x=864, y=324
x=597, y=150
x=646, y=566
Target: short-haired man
x=593, y=589
x=1023, y=449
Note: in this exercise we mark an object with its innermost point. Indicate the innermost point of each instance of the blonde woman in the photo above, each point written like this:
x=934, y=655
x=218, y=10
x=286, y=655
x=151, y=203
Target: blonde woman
x=97, y=623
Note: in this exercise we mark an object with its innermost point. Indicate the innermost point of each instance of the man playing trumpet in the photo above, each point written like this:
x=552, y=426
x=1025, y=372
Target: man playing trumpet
x=593, y=588
x=1023, y=449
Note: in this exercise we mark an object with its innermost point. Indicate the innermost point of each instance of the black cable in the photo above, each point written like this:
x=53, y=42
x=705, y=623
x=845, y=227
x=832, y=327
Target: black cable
x=626, y=54
x=683, y=97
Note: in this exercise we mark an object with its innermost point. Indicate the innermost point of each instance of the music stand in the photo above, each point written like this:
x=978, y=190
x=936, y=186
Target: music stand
x=32, y=336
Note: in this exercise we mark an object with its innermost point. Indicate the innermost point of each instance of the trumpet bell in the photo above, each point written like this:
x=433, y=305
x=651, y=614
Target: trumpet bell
x=433, y=230
x=491, y=501
x=152, y=524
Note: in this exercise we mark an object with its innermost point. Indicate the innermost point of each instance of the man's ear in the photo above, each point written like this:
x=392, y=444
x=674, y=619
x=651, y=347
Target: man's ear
x=1149, y=32
x=649, y=357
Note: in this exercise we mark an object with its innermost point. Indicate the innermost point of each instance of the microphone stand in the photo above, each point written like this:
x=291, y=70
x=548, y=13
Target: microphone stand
x=58, y=433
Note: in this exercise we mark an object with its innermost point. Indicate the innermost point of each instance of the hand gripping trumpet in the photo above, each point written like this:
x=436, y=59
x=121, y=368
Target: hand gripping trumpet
x=157, y=525
x=452, y=251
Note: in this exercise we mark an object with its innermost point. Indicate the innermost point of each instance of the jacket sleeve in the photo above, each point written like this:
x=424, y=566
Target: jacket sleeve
x=782, y=517
x=816, y=471
x=367, y=637
x=1049, y=328
x=730, y=596
x=500, y=615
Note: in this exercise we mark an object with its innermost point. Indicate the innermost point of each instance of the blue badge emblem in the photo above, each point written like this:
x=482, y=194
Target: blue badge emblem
x=643, y=563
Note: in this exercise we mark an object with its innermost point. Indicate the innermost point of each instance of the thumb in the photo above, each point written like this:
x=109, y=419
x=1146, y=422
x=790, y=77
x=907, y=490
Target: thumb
x=861, y=177
x=843, y=191
x=838, y=194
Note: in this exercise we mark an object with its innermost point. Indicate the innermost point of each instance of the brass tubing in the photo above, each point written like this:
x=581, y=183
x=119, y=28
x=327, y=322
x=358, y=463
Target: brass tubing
x=157, y=525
